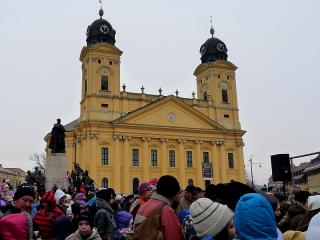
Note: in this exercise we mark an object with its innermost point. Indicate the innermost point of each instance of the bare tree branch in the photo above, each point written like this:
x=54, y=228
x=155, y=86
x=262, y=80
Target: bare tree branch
x=39, y=159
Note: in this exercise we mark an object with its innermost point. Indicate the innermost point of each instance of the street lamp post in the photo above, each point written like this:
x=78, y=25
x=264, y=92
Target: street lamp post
x=251, y=163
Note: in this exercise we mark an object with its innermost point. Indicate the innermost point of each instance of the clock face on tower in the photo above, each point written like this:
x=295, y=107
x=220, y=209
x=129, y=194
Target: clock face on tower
x=203, y=49
x=104, y=29
x=221, y=47
x=171, y=117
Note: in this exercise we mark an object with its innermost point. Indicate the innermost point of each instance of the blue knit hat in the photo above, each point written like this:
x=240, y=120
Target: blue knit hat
x=123, y=219
x=183, y=214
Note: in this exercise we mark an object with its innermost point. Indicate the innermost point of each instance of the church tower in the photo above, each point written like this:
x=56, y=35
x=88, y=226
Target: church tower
x=216, y=82
x=100, y=73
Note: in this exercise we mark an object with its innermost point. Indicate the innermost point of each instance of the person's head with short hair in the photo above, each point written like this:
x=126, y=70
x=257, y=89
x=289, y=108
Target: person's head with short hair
x=212, y=219
x=85, y=224
x=168, y=186
x=106, y=195
x=271, y=189
x=24, y=197
x=302, y=197
x=145, y=190
x=190, y=193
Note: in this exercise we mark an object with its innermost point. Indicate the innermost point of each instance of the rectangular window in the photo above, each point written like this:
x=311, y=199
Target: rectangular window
x=230, y=160
x=154, y=157
x=205, y=96
x=225, y=96
x=189, y=159
x=172, y=158
x=104, y=105
x=104, y=156
x=104, y=83
x=135, y=157
x=205, y=157
x=85, y=86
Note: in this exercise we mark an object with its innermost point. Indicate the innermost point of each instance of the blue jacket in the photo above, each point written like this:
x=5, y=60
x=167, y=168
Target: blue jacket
x=254, y=218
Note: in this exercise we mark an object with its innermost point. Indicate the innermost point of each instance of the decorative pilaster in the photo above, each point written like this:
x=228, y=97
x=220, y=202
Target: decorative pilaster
x=240, y=145
x=182, y=163
x=199, y=178
x=126, y=164
x=215, y=163
x=223, y=161
x=164, y=156
x=145, y=162
x=116, y=164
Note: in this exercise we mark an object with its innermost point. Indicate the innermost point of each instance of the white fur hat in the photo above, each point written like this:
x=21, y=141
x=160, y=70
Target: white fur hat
x=314, y=202
x=209, y=217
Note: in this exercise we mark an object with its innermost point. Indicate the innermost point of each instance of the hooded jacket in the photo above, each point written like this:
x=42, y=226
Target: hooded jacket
x=254, y=218
x=77, y=236
x=104, y=220
x=16, y=226
x=45, y=218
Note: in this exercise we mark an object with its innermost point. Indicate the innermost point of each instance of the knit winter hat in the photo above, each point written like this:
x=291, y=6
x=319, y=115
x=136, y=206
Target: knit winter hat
x=143, y=187
x=123, y=219
x=209, y=217
x=314, y=202
x=24, y=190
x=58, y=195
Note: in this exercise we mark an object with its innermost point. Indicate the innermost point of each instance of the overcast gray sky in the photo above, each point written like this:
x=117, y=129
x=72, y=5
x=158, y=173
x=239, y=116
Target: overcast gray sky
x=275, y=44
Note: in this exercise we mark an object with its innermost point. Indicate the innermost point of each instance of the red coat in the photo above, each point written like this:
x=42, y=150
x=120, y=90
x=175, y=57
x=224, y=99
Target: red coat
x=16, y=226
x=170, y=224
x=45, y=218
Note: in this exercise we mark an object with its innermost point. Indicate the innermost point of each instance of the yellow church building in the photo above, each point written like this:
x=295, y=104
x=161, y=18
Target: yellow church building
x=124, y=138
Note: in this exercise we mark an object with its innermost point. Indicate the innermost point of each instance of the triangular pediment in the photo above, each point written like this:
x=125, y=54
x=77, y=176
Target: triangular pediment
x=169, y=112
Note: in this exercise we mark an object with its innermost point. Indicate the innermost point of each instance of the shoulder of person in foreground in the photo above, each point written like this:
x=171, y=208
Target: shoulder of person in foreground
x=170, y=223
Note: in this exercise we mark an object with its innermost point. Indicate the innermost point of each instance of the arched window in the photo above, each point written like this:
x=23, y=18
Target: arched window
x=104, y=183
x=135, y=185
x=190, y=182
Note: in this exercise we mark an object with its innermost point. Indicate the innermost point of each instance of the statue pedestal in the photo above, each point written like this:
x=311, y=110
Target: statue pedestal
x=56, y=167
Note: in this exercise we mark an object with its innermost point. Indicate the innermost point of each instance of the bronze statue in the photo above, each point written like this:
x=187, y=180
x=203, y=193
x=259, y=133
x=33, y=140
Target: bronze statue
x=57, y=144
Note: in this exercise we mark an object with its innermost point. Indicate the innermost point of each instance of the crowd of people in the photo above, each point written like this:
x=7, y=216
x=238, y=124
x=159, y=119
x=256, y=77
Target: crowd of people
x=161, y=210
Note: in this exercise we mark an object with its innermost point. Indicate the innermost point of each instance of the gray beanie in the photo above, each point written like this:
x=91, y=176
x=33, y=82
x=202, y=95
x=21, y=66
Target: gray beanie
x=209, y=218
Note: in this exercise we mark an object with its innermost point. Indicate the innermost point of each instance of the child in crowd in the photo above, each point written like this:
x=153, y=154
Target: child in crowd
x=85, y=230
x=124, y=225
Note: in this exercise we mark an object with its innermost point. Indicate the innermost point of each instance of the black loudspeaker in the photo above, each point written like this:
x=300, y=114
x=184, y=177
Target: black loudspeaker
x=281, y=170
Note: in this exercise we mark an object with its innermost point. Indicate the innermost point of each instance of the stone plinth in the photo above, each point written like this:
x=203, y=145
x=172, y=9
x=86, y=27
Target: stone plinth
x=56, y=167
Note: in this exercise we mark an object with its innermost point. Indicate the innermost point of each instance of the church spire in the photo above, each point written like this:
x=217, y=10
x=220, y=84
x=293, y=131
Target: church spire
x=211, y=27
x=101, y=10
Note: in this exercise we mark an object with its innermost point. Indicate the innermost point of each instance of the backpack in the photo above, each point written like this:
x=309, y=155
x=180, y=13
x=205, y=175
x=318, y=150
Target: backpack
x=150, y=228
